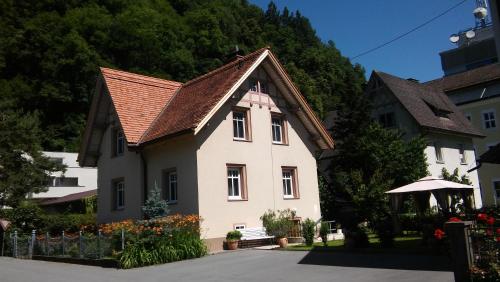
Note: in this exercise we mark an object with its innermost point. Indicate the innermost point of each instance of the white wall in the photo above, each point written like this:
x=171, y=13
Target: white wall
x=87, y=176
x=263, y=161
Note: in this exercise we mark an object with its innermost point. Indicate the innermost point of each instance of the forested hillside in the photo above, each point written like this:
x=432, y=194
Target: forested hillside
x=50, y=51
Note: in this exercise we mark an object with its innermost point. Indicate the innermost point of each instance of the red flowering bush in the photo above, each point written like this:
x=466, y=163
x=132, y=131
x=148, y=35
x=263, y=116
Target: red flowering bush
x=439, y=234
x=454, y=219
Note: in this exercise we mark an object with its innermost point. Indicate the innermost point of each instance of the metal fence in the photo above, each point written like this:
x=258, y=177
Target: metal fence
x=77, y=245
x=484, y=245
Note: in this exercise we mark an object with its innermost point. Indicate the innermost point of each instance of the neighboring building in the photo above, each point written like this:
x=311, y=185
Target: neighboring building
x=477, y=95
x=227, y=145
x=472, y=82
x=74, y=180
x=417, y=109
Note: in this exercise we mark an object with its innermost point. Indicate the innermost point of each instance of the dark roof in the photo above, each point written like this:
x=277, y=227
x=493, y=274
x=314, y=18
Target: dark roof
x=465, y=79
x=422, y=102
x=69, y=198
x=491, y=156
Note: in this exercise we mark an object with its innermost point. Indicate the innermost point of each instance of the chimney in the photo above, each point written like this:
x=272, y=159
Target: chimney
x=234, y=55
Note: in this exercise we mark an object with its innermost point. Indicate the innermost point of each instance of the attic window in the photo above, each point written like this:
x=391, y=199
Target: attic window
x=438, y=112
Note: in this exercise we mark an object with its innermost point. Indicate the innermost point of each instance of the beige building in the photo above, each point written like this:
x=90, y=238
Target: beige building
x=477, y=94
x=228, y=145
x=420, y=110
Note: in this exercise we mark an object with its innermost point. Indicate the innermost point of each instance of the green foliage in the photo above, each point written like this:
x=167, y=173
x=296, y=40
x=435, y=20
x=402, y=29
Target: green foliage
x=90, y=204
x=23, y=168
x=308, y=229
x=170, y=247
x=50, y=52
x=70, y=223
x=370, y=160
x=234, y=235
x=279, y=223
x=24, y=218
x=323, y=232
x=155, y=206
x=464, y=179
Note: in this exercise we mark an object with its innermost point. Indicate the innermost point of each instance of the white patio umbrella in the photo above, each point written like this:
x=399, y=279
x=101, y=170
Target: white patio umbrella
x=438, y=187
x=429, y=183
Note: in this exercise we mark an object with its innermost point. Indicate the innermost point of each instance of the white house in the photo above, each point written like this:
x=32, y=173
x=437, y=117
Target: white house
x=418, y=109
x=74, y=180
x=227, y=145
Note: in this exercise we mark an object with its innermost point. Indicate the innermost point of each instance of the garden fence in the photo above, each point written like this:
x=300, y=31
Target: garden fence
x=77, y=245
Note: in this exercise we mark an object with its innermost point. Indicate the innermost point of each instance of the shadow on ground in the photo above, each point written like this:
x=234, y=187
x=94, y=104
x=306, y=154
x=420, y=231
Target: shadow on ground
x=386, y=261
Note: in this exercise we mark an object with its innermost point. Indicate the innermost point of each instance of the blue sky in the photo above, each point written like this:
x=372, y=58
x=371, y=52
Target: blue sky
x=356, y=26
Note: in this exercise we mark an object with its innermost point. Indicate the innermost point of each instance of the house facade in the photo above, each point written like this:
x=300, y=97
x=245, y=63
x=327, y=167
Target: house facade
x=477, y=94
x=420, y=110
x=73, y=180
x=228, y=145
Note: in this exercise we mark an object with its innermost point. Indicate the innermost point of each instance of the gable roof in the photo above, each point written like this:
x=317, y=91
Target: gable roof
x=137, y=99
x=466, y=79
x=198, y=97
x=149, y=108
x=422, y=101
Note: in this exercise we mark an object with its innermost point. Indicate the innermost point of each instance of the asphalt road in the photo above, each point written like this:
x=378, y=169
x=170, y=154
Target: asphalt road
x=245, y=265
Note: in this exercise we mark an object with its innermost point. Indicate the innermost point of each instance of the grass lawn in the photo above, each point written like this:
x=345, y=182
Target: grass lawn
x=402, y=244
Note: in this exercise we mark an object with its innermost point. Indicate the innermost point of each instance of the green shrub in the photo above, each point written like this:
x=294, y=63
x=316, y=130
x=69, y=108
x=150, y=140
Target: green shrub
x=234, y=235
x=308, y=227
x=323, y=232
x=71, y=223
x=169, y=247
x=26, y=217
x=278, y=224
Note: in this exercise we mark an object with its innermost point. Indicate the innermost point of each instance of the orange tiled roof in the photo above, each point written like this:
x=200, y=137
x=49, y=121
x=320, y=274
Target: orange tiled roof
x=197, y=97
x=137, y=99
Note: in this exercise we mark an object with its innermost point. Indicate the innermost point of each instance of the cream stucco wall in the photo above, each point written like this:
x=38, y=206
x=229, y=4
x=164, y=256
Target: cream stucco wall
x=263, y=161
x=488, y=173
x=177, y=154
x=129, y=168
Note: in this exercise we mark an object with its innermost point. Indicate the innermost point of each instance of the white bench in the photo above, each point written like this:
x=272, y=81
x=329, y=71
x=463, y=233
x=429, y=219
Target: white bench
x=254, y=233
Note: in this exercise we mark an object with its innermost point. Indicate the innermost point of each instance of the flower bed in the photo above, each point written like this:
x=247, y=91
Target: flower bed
x=161, y=240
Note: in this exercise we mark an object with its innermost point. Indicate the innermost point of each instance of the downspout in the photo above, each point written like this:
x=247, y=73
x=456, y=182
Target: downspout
x=144, y=175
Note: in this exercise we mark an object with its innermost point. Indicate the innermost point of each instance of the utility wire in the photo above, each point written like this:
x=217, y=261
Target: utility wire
x=410, y=31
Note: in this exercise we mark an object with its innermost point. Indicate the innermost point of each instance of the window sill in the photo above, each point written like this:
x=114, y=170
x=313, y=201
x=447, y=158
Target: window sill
x=291, y=198
x=119, y=209
x=464, y=163
x=241, y=140
x=281, y=144
x=172, y=202
x=440, y=162
x=236, y=200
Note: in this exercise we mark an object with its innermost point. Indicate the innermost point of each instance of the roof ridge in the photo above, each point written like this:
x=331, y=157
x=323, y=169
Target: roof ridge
x=127, y=76
x=224, y=67
x=153, y=122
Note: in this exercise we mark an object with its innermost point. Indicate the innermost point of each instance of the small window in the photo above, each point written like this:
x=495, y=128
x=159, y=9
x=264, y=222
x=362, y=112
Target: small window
x=236, y=182
x=468, y=117
x=278, y=127
x=65, y=182
x=461, y=154
x=172, y=187
x=241, y=128
x=239, y=227
x=264, y=88
x=489, y=119
x=58, y=161
x=118, y=143
x=439, y=153
x=387, y=120
x=119, y=192
x=496, y=187
x=290, y=189
x=254, y=86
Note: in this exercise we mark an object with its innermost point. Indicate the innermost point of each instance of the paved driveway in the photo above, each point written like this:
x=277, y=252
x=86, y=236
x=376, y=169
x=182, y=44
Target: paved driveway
x=247, y=265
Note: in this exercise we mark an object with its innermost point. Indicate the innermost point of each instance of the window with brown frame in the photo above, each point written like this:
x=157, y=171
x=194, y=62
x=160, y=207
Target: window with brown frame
x=241, y=125
x=279, y=129
x=236, y=182
x=290, y=183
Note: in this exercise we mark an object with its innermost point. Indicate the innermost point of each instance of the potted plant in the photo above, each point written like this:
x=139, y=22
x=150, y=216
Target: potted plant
x=278, y=224
x=232, y=239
